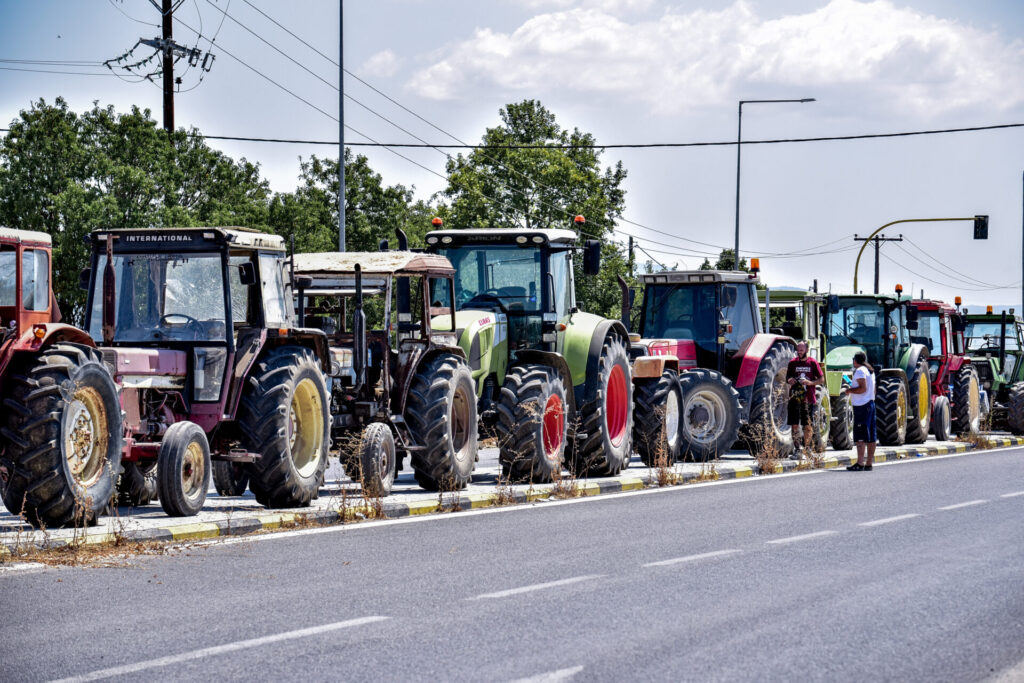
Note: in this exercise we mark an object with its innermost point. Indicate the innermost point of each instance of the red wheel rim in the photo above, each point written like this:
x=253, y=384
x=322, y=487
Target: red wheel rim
x=616, y=405
x=554, y=425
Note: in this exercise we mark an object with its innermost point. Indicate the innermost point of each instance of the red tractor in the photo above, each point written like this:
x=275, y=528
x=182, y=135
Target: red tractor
x=195, y=324
x=60, y=427
x=732, y=375
x=956, y=389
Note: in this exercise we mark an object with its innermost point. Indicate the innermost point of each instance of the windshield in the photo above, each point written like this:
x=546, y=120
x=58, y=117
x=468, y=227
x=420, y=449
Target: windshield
x=8, y=277
x=928, y=332
x=681, y=312
x=504, y=272
x=163, y=297
x=985, y=335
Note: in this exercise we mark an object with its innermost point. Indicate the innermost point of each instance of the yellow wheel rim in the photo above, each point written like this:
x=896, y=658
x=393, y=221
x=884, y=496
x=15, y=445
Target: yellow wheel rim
x=193, y=470
x=85, y=436
x=901, y=410
x=923, y=397
x=306, y=427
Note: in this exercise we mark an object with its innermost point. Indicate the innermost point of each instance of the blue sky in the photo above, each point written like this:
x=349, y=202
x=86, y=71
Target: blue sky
x=627, y=71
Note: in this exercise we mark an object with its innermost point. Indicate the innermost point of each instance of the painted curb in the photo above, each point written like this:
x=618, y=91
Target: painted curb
x=451, y=503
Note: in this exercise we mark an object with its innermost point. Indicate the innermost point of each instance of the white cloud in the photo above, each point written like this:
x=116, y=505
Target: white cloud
x=873, y=53
x=384, y=64
x=610, y=6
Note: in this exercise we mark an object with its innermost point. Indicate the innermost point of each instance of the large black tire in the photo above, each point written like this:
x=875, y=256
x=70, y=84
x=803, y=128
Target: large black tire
x=941, y=421
x=657, y=405
x=230, y=478
x=283, y=417
x=137, y=485
x=919, y=404
x=183, y=469
x=841, y=429
x=766, y=430
x=532, y=424
x=602, y=444
x=373, y=463
x=441, y=413
x=966, y=401
x=61, y=436
x=1015, y=409
x=710, y=415
x=891, y=410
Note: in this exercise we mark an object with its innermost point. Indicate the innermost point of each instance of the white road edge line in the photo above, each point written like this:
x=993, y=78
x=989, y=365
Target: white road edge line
x=536, y=587
x=691, y=558
x=802, y=537
x=21, y=567
x=1012, y=495
x=552, y=676
x=963, y=505
x=219, y=649
x=887, y=520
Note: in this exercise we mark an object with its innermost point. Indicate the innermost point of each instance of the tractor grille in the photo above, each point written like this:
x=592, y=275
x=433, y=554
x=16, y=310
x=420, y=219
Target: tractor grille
x=984, y=374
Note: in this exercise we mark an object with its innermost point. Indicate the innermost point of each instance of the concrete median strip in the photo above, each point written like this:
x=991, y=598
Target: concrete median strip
x=338, y=507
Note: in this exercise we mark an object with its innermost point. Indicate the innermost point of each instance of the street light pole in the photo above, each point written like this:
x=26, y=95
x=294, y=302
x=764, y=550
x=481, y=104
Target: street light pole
x=739, y=146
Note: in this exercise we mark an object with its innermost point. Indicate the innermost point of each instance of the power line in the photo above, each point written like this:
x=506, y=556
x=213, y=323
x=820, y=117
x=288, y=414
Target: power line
x=947, y=284
x=52, y=71
x=274, y=21
x=966, y=279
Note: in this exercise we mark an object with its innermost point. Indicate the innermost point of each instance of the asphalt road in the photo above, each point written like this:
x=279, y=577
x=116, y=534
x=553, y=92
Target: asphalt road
x=912, y=572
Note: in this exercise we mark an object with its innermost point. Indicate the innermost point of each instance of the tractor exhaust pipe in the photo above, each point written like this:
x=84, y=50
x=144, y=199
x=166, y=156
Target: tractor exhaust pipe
x=109, y=285
x=359, y=333
x=1002, y=344
x=403, y=296
x=626, y=304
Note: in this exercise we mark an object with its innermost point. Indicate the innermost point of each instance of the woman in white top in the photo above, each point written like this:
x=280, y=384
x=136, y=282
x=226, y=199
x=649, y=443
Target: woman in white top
x=862, y=393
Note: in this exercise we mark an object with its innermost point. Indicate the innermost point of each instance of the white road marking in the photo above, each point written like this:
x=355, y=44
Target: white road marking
x=887, y=520
x=691, y=558
x=552, y=676
x=1012, y=495
x=537, y=587
x=802, y=537
x=19, y=567
x=219, y=650
x=963, y=505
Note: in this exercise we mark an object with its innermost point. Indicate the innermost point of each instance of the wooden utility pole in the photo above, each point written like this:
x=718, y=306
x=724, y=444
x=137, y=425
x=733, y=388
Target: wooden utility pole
x=168, y=40
x=877, y=239
x=341, y=125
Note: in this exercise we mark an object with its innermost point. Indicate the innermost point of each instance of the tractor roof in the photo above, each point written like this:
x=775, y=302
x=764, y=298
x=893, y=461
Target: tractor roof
x=874, y=297
x=933, y=305
x=235, y=236
x=789, y=298
x=12, y=235
x=695, y=277
x=991, y=317
x=500, y=236
x=375, y=262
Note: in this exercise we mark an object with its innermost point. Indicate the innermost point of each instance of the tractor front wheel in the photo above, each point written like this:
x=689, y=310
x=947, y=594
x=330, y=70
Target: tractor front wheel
x=767, y=430
x=656, y=419
x=841, y=429
x=941, y=418
x=283, y=417
x=230, y=478
x=891, y=411
x=373, y=467
x=1015, y=409
x=710, y=415
x=183, y=469
x=920, y=404
x=966, y=402
x=61, y=437
x=532, y=424
x=603, y=444
x=441, y=413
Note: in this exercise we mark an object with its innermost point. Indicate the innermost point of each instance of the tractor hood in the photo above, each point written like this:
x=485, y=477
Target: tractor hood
x=478, y=334
x=841, y=357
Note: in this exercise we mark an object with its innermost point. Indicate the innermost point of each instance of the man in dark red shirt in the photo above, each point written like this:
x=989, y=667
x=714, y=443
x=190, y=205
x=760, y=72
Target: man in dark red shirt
x=804, y=375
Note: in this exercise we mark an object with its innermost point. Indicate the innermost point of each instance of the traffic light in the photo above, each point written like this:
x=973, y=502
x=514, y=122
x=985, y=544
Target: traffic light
x=981, y=227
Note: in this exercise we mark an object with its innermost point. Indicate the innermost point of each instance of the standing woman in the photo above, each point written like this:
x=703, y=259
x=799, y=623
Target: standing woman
x=862, y=392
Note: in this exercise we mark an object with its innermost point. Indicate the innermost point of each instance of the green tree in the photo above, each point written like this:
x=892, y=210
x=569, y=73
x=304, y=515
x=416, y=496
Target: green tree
x=725, y=261
x=538, y=188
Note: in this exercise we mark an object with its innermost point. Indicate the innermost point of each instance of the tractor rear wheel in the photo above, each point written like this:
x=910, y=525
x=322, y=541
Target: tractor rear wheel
x=941, y=418
x=658, y=405
x=1015, y=409
x=842, y=423
x=183, y=469
x=441, y=413
x=891, y=411
x=137, y=485
x=61, y=428
x=919, y=404
x=230, y=478
x=966, y=401
x=766, y=430
x=603, y=444
x=532, y=424
x=373, y=467
x=283, y=416
x=710, y=415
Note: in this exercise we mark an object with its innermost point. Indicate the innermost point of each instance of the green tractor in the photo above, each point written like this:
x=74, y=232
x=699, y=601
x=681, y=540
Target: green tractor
x=878, y=325
x=553, y=383
x=796, y=313
x=994, y=346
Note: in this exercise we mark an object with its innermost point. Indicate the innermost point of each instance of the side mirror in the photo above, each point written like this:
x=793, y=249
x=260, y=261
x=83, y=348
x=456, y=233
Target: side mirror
x=911, y=325
x=591, y=257
x=83, y=279
x=728, y=296
x=959, y=323
x=912, y=314
x=790, y=315
x=833, y=303
x=247, y=273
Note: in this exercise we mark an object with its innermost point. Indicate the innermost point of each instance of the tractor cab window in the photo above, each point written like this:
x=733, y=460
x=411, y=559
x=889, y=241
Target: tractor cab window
x=739, y=312
x=162, y=297
x=984, y=336
x=561, y=274
x=497, y=273
x=928, y=332
x=244, y=309
x=861, y=323
x=35, y=280
x=272, y=277
x=683, y=312
x=8, y=277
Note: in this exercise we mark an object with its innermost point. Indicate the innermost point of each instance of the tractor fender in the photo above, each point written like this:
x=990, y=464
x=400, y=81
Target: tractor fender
x=311, y=338
x=652, y=367
x=896, y=372
x=53, y=333
x=582, y=343
x=752, y=351
x=556, y=361
x=957, y=362
x=911, y=357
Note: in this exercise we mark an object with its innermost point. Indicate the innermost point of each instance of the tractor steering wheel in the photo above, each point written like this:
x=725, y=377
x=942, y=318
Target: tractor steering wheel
x=487, y=297
x=190, y=322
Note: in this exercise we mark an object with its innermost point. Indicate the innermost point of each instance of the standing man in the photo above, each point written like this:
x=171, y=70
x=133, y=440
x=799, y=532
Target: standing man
x=804, y=375
x=862, y=391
